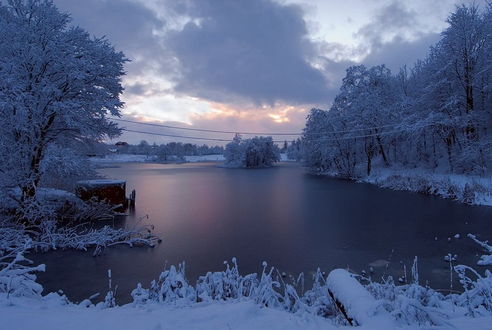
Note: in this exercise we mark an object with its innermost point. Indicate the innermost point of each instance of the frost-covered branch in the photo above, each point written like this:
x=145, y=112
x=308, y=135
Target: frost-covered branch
x=17, y=277
x=484, y=259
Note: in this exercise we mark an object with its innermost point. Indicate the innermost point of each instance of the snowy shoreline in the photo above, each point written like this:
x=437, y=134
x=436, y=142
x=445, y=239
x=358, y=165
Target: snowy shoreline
x=128, y=158
x=229, y=300
x=472, y=190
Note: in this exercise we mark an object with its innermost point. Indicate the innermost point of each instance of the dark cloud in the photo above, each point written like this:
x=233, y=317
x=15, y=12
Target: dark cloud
x=128, y=25
x=144, y=89
x=256, y=49
x=392, y=19
x=394, y=37
x=400, y=52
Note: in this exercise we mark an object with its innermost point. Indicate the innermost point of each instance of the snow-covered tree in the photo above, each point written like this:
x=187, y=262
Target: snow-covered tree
x=251, y=153
x=294, y=150
x=57, y=87
x=234, y=153
x=435, y=115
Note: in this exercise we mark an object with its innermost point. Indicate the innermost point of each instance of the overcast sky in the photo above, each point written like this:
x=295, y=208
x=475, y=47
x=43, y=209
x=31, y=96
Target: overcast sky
x=255, y=65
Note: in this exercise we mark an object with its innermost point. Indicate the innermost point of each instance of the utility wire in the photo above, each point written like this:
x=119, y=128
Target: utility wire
x=275, y=141
x=175, y=136
x=247, y=133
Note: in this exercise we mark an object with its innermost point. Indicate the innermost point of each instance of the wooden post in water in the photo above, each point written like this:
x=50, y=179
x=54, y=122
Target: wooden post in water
x=131, y=201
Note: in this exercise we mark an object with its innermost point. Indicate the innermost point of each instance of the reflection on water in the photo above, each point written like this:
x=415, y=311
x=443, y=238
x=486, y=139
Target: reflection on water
x=206, y=214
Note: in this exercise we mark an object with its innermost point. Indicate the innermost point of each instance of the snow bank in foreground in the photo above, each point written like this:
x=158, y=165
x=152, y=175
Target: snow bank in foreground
x=228, y=300
x=54, y=314
x=472, y=190
x=357, y=302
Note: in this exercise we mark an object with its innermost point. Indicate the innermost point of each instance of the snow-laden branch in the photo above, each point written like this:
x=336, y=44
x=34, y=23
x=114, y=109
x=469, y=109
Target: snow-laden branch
x=487, y=258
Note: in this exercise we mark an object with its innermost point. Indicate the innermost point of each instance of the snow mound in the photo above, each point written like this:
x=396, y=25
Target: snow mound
x=358, y=304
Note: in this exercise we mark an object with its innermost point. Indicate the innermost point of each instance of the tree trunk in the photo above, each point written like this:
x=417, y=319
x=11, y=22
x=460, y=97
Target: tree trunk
x=381, y=149
x=369, y=153
x=450, y=158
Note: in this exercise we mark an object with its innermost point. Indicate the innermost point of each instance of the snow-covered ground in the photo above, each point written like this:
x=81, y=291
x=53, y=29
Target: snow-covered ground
x=204, y=158
x=229, y=300
x=284, y=158
x=51, y=314
x=468, y=189
x=122, y=158
x=125, y=158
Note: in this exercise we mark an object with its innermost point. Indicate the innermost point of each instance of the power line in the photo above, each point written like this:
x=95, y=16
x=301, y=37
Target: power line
x=357, y=137
x=201, y=129
x=275, y=141
x=248, y=133
x=175, y=136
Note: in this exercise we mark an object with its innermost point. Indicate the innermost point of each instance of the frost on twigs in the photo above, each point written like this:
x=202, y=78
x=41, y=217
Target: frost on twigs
x=17, y=278
x=110, y=298
x=477, y=298
x=84, y=237
x=172, y=287
x=266, y=290
x=486, y=259
x=49, y=235
x=370, y=303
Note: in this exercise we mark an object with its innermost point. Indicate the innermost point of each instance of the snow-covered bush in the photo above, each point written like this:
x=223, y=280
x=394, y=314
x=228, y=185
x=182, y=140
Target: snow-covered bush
x=140, y=295
x=224, y=285
x=17, y=277
x=267, y=292
x=410, y=304
x=172, y=287
x=477, y=298
x=318, y=299
x=251, y=153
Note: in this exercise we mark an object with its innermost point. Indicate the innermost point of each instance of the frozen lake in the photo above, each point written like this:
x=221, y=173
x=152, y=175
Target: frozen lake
x=295, y=221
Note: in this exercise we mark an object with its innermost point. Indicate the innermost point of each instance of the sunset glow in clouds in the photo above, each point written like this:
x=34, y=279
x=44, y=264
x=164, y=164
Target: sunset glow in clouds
x=256, y=65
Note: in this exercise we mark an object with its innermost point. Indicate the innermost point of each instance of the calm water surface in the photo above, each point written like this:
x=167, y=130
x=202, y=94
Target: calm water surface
x=295, y=221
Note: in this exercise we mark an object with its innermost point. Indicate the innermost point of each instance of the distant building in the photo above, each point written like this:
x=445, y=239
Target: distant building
x=121, y=146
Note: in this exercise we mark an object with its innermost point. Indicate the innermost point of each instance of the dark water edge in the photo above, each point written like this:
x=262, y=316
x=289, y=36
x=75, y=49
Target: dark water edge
x=291, y=219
